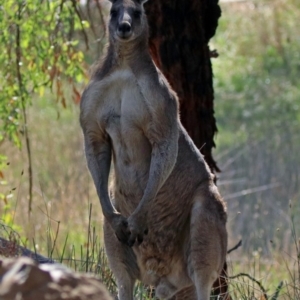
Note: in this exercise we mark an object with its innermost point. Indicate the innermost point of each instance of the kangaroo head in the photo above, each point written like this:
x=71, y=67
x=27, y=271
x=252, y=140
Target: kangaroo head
x=127, y=20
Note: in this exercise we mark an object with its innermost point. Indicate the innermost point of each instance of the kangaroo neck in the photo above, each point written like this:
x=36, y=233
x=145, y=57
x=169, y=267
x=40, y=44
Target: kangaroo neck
x=127, y=53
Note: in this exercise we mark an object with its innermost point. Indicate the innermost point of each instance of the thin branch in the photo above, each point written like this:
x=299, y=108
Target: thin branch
x=55, y=239
x=91, y=20
x=86, y=40
x=251, y=191
x=238, y=245
x=252, y=279
x=22, y=91
x=88, y=242
x=6, y=247
x=102, y=19
x=88, y=6
x=278, y=289
x=56, y=29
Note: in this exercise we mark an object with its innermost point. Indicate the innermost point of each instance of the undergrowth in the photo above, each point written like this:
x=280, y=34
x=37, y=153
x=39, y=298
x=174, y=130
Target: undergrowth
x=250, y=277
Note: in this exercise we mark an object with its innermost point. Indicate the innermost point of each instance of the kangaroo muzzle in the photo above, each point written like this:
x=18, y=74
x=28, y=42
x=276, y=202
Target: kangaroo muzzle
x=124, y=30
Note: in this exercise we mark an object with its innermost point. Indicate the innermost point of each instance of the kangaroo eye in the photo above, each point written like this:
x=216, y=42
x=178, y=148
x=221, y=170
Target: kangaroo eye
x=113, y=13
x=137, y=14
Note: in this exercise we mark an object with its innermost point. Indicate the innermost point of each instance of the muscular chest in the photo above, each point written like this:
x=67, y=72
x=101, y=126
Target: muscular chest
x=123, y=108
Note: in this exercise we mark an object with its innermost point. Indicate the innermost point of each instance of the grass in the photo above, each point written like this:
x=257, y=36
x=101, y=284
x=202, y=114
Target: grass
x=253, y=85
x=251, y=276
x=256, y=278
x=63, y=189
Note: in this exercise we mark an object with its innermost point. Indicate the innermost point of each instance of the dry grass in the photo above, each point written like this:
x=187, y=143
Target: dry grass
x=63, y=189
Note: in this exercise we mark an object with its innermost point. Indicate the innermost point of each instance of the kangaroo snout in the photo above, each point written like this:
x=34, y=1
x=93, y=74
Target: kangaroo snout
x=124, y=30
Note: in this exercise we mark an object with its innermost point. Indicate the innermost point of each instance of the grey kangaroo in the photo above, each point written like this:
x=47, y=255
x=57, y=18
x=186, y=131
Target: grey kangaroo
x=164, y=220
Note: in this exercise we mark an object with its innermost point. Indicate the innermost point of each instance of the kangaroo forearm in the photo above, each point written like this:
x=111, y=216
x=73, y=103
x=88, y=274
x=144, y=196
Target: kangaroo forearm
x=101, y=182
x=108, y=208
x=162, y=163
x=99, y=167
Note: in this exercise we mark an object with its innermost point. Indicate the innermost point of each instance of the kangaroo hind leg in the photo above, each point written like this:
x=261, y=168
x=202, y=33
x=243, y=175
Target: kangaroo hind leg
x=208, y=244
x=122, y=262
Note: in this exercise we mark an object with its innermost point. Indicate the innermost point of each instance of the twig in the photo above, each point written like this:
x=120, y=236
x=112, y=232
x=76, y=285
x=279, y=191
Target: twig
x=88, y=242
x=202, y=147
x=34, y=246
x=102, y=20
x=101, y=14
x=238, y=245
x=278, y=289
x=251, y=191
x=64, y=249
x=61, y=6
x=22, y=91
x=86, y=40
x=252, y=279
x=88, y=6
x=55, y=239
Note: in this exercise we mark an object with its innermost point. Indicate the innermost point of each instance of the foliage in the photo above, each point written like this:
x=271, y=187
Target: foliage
x=257, y=75
x=40, y=51
x=257, y=79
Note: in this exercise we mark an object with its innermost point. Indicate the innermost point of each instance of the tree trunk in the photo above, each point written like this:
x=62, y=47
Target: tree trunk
x=179, y=34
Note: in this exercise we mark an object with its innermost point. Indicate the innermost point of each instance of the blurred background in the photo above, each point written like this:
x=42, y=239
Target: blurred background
x=257, y=109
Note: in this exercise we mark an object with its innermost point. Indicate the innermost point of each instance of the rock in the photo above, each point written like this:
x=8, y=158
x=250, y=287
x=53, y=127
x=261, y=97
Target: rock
x=24, y=279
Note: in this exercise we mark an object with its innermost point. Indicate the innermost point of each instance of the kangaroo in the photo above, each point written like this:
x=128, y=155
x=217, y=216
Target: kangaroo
x=164, y=220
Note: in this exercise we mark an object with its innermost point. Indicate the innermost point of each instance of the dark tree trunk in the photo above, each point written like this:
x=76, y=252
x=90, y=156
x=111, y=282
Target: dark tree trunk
x=179, y=34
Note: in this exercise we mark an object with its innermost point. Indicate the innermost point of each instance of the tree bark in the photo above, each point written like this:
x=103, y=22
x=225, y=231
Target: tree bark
x=179, y=34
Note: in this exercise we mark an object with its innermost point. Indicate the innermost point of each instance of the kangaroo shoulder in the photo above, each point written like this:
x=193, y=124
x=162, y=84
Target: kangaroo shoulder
x=89, y=95
x=157, y=90
x=90, y=102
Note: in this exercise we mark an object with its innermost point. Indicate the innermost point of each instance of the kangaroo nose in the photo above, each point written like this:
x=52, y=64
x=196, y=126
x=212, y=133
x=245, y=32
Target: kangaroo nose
x=124, y=29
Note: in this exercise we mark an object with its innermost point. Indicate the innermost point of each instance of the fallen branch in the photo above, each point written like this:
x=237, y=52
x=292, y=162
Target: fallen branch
x=12, y=249
x=252, y=279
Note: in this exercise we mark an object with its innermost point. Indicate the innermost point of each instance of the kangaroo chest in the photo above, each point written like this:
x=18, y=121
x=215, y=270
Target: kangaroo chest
x=123, y=107
x=123, y=115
